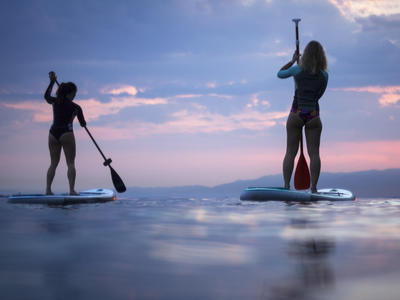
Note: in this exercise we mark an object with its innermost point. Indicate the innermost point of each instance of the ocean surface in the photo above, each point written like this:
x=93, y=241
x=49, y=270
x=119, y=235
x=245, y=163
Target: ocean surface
x=201, y=249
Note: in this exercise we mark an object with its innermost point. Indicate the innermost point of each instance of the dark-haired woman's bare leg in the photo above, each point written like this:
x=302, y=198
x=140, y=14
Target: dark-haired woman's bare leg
x=294, y=126
x=68, y=144
x=55, y=151
x=313, y=131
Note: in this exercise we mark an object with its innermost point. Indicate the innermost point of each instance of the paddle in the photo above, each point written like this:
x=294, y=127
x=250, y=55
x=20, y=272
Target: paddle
x=302, y=174
x=116, y=179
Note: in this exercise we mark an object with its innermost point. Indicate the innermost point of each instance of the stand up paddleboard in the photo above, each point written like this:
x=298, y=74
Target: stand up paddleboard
x=89, y=196
x=282, y=194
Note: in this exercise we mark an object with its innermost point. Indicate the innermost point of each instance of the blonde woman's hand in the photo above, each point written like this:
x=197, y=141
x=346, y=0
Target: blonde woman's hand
x=295, y=56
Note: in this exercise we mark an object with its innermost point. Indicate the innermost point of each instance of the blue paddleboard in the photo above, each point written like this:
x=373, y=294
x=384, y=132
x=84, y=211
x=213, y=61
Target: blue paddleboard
x=282, y=194
x=89, y=196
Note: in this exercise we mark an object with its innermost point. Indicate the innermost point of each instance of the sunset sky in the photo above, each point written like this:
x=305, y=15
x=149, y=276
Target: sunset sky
x=185, y=92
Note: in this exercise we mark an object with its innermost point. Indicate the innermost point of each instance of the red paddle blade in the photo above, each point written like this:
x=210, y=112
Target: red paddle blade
x=302, y=174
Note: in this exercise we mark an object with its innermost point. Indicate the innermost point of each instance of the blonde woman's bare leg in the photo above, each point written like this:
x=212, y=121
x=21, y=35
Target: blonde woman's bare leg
x=68, y=144
x=294, y=126
x=313, y=131
x=55, y=151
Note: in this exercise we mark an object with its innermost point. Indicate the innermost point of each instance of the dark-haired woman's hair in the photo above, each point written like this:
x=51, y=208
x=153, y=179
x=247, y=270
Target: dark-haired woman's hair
x=64, y=89
x=313, y=59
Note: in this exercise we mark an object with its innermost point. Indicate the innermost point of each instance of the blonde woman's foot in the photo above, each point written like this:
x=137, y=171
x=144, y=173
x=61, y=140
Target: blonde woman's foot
x=73, y=193
x=49, y=192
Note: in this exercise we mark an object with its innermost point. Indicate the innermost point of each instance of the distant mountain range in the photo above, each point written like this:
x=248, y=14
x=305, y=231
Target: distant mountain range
x=365, y=184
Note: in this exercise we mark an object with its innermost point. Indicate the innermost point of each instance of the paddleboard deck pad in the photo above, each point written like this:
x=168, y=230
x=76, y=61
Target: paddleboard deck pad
x=282, y=194
x=89, y=196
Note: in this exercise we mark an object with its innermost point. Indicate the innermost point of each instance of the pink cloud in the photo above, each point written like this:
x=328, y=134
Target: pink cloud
x=92, y=108
x=389, y=95
x=193, y=122
x=188, y=96
x=255, y=101
x=211, y=85
x=206, y=122
x=120, y=89
x=41, y=110
x=220, y=96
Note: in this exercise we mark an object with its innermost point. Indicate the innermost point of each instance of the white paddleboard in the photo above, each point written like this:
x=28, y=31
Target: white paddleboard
x=282, y=194
x=89, y=196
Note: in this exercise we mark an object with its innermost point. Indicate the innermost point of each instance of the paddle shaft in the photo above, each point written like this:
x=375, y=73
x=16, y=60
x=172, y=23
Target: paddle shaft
x=297, y=39
x=297, y=43
x=298, y=61
x=97, y=146
x=302, y=174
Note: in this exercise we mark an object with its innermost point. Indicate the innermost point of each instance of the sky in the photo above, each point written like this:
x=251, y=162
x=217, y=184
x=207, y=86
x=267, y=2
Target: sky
x=185, y=92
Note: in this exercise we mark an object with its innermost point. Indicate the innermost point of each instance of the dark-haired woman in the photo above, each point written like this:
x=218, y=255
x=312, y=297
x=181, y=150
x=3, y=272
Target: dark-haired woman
x=311, y=79
x=61, y=134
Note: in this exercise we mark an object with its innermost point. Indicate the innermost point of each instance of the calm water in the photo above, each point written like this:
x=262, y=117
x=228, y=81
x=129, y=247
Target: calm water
x=201, y=249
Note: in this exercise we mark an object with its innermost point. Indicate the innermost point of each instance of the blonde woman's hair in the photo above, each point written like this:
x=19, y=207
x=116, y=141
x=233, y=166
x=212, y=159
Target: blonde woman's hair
x=313, y=59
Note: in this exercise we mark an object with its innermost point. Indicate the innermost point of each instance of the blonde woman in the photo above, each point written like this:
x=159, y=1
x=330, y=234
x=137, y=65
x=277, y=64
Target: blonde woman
x=311, y=79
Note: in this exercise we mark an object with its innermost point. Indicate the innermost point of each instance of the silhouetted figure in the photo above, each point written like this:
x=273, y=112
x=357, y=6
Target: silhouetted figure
x=61, y=133
x=311, y=79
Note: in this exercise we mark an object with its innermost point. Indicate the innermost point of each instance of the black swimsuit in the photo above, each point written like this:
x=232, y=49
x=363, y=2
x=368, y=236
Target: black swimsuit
x=64, y=112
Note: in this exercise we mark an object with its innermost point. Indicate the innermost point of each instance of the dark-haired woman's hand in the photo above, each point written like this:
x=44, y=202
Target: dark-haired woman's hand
x=52, y=76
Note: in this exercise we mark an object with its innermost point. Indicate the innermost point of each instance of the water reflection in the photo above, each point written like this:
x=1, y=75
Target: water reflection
x=201, y=249
x=201, y=253
x=312, y=273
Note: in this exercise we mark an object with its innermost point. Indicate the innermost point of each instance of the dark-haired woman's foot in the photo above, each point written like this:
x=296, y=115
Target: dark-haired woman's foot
x=49, y=192
x=73, y=193
x=314, y=190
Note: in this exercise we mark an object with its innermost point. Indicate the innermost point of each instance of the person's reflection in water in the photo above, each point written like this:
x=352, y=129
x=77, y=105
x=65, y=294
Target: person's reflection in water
x=313, y=273
x=313, y=266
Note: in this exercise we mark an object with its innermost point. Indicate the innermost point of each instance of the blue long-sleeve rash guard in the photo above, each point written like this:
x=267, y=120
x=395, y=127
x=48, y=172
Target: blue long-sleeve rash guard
x=309, y=88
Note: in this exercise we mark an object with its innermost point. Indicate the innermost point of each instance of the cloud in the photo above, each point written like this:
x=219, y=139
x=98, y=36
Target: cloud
x=198, y=121
x=188, y=96
x=41, y=111
x=121, y=89
x=389, y=95
x=255, y=101
x=211, y=85
x=352, y=9
x=191, y=96
x=185, y=121
x=92, y=108
x=381, y=23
